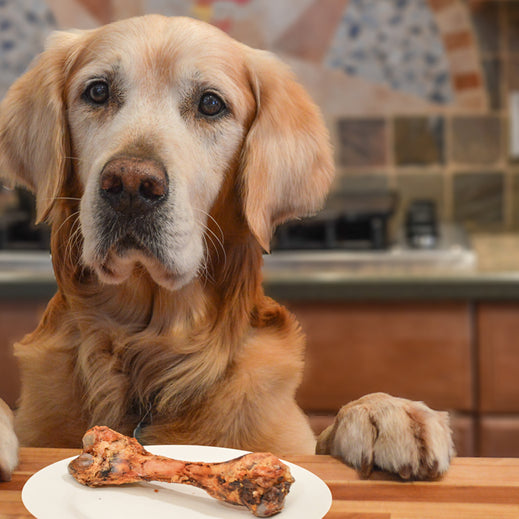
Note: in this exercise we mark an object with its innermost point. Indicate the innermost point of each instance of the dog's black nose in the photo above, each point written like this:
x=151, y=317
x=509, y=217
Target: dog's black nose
x=133, y=185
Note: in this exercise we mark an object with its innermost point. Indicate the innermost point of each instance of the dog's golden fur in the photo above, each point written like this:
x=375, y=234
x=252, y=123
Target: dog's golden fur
x=181, y=339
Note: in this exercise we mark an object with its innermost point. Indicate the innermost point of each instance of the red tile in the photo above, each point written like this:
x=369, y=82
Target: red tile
x=309, y=37
x=458, y=40
x=438, y=5
x=100, y=9
x=467, y=81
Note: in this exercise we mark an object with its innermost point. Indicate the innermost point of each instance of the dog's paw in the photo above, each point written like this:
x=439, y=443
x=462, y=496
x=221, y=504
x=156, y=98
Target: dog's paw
x=8, y=443
x=393, y=434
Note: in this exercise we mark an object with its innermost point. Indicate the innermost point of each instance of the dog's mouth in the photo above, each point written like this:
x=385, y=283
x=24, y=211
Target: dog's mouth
x=131, y=255
x=128, y=243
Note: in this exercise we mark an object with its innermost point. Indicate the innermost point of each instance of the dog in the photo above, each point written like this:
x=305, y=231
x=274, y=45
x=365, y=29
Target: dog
x=163, y=153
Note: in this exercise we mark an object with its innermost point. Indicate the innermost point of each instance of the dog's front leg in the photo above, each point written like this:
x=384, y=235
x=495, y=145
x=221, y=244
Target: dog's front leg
x=393, y=434
x=8, y=443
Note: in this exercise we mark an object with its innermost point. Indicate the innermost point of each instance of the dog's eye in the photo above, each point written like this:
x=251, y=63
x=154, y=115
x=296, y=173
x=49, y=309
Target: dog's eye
x=98, y=92
x=210, y=104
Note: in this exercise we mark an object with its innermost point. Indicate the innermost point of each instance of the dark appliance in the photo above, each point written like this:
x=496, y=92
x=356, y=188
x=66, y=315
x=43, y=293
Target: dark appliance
x=356, y=221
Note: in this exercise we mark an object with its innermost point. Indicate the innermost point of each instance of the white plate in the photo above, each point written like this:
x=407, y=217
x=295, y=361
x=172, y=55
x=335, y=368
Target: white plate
x=52, y=492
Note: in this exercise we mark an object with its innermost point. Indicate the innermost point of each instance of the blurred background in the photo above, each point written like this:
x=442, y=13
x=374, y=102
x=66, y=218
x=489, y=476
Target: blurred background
x=408, y=281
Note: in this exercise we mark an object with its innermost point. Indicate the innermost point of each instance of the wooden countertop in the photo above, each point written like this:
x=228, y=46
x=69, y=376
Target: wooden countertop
x=474, y=488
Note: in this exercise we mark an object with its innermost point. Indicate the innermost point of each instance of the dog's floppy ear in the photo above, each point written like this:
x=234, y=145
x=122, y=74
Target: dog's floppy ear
x=287, y=163
x=33, y=129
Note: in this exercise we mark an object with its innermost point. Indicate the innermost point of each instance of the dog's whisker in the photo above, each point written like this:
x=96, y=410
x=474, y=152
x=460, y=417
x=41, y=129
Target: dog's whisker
x=73, y=241
x=203, y=273
x=219, y=241
x=214, y=220
x=74, y=158
x=74, y=214
x=212, y=241
x=63, y=198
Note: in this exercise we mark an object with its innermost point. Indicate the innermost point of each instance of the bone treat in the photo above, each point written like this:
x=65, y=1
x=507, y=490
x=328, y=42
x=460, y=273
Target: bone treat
x=259, y=481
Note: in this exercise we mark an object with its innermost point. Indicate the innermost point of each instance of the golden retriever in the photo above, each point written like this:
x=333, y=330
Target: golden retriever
x=163, y=153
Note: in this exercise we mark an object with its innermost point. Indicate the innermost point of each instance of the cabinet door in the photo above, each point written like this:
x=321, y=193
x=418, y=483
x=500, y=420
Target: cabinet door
x=498, y=333
x=414, y=350
x=16, y=319
x=498, y=436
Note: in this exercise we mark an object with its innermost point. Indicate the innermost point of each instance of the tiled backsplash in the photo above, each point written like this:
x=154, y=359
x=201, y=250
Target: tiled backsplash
x=415, y=92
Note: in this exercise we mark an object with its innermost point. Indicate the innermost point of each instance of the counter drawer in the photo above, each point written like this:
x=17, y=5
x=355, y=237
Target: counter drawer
x=498, y=336
x=498, y=436
x=420, y=351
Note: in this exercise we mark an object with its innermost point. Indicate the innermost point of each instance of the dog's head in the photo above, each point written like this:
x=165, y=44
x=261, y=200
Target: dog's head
x=147, y=121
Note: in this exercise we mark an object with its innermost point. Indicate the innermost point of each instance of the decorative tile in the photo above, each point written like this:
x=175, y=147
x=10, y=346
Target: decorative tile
x=464, y=60
x=492, y=72
x=419, y=140
x=514, y=199
x=457, y=40
x=361, y=183
x=309, y=38
x=362, y=142
x=479, y=199
x=466, y=81
x=439, y=5
x=513, y=73
x=101, y=10
x=23, y=29
x=396, y=43
x=485, y=19
x=512, y=25
x=353, y=184
x=476, y=140
x=419, y=185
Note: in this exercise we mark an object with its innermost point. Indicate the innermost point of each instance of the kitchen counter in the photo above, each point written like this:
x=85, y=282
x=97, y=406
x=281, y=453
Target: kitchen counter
x=29, y=275
x=473, y=487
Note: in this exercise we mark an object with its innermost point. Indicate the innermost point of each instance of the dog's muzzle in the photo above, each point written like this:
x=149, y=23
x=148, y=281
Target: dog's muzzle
x=133, y=186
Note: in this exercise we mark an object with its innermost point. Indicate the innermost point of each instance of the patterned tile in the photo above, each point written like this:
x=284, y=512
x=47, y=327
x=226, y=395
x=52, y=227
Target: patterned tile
x=23, y=30
x=513, y=73
x=466, y=81
x=438, y=5
x=512, y=26
x=362, y=142
x=514, y=199
x=419, y=185
x=457, y=40
x=101, y=10
x=419, y=140
x=364, y=182
x=492, y=72
x=476, y=140
x=309, y=38
x=485, y=19
x=479, y=199
x=353, y=184
x=396, y=43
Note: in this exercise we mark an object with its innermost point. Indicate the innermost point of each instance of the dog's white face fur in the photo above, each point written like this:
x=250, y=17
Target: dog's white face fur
x=154, y=111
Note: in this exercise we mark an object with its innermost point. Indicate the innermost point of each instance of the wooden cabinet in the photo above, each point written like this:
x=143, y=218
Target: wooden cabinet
x=498, y=436
x=457, y=356
x=461, y=357
x=421, y=351
x=498, y=364
x=498, y=343
x=418, y=351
